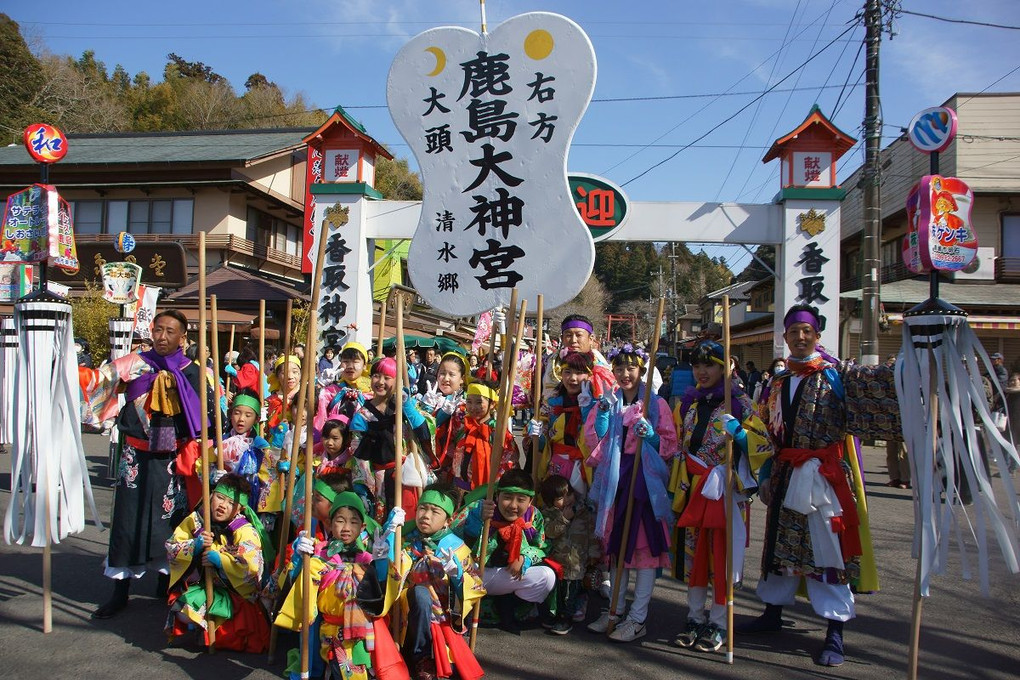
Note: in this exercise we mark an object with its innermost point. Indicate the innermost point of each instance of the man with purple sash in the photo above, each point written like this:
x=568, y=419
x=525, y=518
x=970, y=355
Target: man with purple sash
x=159, y=424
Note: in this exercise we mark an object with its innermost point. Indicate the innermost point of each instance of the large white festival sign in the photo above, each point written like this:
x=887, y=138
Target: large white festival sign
x=490, y=118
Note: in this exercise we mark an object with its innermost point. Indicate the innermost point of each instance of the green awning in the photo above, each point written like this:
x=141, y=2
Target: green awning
x=443, y=345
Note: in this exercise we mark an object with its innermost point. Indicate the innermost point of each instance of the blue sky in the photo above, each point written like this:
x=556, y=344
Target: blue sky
x=678, y=55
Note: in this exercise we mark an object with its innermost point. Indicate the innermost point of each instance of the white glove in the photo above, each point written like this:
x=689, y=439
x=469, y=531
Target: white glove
x=448, y=406
x=304, y=544
x=433, y=398
x=499, y=319
x=380, y=545
x=535, y=428
x=288, y=439
x=584, y=399
x=451, y=565
x=215, y=475
x=264, y=416
x=396, y=518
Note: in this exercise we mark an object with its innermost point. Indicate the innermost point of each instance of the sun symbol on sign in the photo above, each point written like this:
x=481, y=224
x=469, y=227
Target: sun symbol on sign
x=539, y=44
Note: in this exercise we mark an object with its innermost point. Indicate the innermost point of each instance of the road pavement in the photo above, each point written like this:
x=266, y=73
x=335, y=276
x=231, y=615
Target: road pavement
x=965, y=635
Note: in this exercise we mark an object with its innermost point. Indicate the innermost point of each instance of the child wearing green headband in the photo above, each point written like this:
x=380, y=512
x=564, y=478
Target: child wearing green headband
x=354, y=642
x=236, y=547
x=439, y=581
x=516, y=546
x=243, y=449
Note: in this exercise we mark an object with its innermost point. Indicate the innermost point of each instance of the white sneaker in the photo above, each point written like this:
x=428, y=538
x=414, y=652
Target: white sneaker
x=601, y=624
x=628, y=631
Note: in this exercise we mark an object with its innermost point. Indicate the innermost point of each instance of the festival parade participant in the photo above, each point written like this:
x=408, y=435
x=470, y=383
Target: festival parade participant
x=616, y=435
x=562, y=446
x=284, y=386
x=159, y=426
x=468, y=465
x=570, y=534
x=703, y=423
x=373, y=432
x=237, y=548
x=340, y=399
x=438, y=584
x=516, y=545
x=814, y=529
x=243, y=449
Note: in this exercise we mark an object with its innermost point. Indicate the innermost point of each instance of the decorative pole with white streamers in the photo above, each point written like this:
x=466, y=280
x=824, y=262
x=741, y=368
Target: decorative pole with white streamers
x=8, y=361
x=49, y=474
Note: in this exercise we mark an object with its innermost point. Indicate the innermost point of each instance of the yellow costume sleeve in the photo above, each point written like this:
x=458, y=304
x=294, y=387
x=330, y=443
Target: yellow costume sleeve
x=242, y=561
x=180, y=547
x=290, y=611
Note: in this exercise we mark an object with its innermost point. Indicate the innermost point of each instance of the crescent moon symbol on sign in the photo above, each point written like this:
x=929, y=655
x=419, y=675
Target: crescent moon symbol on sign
x=440, y=60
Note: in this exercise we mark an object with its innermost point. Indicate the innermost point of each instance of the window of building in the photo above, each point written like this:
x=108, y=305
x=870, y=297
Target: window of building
x=87, y=217
x=272, y=232
x=1010, y=236
x=158, y=216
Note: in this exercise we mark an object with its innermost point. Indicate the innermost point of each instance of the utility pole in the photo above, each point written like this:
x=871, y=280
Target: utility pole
x=871, y=184
x=674, y=333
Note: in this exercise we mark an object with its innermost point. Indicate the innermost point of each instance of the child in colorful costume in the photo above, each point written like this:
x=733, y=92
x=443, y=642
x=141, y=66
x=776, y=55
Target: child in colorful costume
x=516, y=545
x=437, y=585
x=565, y=411
x=372, y=440
x=342, y=398
x=703, y=423
x=468, y=466
x=243, y=449
x=446, y=400
x=617, y=433
x=236, y=546
x=354, y=642
x=284, y=386
x=816, y=531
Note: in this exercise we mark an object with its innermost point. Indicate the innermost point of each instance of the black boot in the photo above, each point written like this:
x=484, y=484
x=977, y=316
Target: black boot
x=162, y=585
x=832, y=653
x=117, y=601
x=769, y=622
x=505, y=606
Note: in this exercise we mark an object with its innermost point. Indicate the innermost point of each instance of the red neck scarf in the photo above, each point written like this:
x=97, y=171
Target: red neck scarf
x=512, y=535
x=805, y=367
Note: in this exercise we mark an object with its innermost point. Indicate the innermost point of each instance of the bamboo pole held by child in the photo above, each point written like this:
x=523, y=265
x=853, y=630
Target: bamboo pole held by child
x=309, y=377
x=288, y=494
x=218, y=413
x=398, y=444
x=382, y=329
x=625, y=537
x=536, y=390
x=728, y=499
x=502, y=415
x=286, y=327
x=262, y=356
x=226, y=361
x=203, y=359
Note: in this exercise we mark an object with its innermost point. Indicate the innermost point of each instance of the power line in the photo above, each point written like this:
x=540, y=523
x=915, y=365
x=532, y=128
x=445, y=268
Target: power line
x=968, y=22
x=754, y=116
x=703, y=108
x=746, y=106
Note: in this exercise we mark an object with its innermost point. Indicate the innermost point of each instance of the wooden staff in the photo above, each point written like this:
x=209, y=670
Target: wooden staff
x=262, y=355
x=536, y=391
x=309, y=377
x=645, y=403
x=398, y=445
x=727, y=396
x=230, y=350
x=203, y=358
x=288, y=494
x=286, y=327
x=218, y=413
x=502, y=414
x=382, y=329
